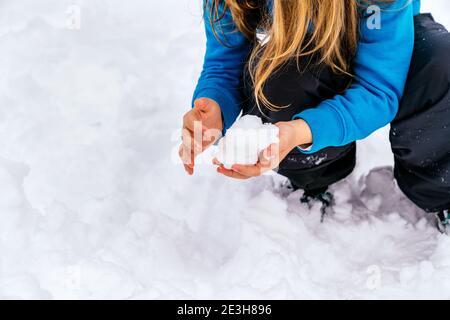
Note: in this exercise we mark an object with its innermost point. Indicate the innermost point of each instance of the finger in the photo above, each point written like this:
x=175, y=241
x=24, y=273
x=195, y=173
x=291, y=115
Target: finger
x=249, y=171
x=190, y=118
x=217, y=162
x=192, y=143
x=197, y=136
x=231, y=174
x=268, y=157
x=187, y=137
x=188, y=146
x=278, y=154
x=201, y=104
x=187, y=157
x=188, y=168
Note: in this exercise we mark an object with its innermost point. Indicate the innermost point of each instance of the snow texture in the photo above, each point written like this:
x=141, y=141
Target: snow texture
x=245, y=141
x=94, y=205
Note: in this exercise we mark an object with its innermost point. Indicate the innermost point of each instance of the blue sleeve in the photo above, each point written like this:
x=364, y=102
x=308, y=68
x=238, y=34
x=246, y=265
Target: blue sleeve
x=380, y=67
x=225, y=59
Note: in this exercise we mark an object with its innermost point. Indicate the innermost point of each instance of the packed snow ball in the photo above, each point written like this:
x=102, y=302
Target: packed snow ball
x=245, y=141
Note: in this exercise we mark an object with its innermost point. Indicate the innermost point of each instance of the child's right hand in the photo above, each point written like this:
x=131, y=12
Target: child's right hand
x=202, y=126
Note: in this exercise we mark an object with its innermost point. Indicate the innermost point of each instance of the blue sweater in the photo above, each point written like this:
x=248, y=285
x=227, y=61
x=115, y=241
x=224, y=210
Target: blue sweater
x=380, y=67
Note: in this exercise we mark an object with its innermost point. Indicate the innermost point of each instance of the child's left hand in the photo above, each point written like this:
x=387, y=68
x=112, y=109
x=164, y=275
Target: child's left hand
x=292, y=134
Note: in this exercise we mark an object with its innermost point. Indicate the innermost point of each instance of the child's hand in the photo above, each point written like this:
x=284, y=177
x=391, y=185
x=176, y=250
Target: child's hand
x=202, y=126
x=292, y=134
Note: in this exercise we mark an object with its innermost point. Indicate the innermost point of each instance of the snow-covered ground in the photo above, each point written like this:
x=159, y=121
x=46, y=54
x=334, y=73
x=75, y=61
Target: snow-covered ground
x=93, y=206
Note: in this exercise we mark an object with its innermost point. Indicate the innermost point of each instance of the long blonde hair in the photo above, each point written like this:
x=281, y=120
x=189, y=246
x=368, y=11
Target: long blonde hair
x=300, y=29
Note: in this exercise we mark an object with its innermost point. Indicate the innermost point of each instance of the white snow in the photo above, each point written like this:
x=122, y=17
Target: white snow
x=93, y=204
x=245, y=141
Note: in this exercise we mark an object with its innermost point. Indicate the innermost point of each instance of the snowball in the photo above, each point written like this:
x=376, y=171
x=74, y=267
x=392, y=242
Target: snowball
x=245, y=140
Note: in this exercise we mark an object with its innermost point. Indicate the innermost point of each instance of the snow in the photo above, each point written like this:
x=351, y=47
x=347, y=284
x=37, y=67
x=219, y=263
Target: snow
x=94, y=204
x=245, y=141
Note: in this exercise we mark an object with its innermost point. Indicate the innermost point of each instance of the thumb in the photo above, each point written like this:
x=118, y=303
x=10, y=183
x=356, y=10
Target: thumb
x=269, y=155
x=202, y=104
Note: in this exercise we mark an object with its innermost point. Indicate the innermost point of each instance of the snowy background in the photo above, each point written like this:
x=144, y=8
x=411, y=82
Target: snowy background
x=92, y=204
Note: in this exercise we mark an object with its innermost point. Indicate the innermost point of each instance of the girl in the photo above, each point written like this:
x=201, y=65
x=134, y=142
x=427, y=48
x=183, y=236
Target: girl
x=329, y=73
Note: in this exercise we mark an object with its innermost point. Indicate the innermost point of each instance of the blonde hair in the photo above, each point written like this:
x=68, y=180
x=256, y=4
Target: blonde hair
x=300, y=29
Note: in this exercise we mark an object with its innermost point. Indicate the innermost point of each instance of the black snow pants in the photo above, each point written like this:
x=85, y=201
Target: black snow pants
x=420, y=133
